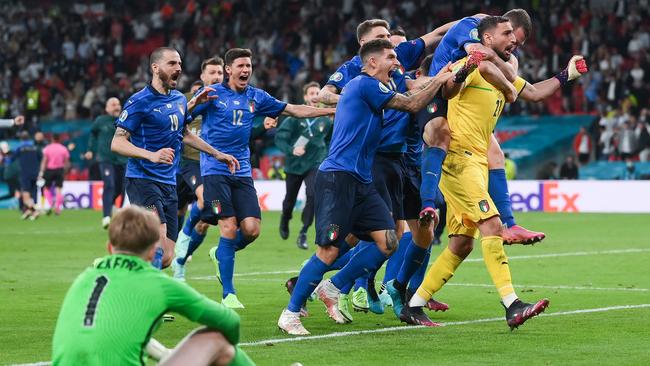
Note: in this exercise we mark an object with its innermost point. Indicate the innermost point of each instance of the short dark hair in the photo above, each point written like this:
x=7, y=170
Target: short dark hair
x=374, y=46
x=156, y=55
x=198, y=83
x=397, y=31
x=216, y=60
x=311, y=84
x=235, y=53
x=425, y=65
x=489, y=23
x=366, y=26
x=520, y=19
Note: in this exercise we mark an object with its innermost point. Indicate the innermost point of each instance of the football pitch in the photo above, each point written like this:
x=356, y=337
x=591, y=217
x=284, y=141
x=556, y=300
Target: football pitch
x=592, y=267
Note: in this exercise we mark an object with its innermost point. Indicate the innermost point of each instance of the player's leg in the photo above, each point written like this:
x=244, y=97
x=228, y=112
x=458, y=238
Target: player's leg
x=202, y=347
x=498, y=189
x=437, y=233
x=200, y=230
x=292, y=184
x=120, y=171
x=108, y=177
x=333, y=207
x=496, y=261
x=307, y=215
x=170, y=207
x=436, y=136
x=58, y=189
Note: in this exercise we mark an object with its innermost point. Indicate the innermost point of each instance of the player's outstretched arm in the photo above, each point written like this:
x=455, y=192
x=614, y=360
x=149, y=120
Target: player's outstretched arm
x=198, y=143
x=200, y=98
x=328, y=95
x=433, y=38
x=544, y=89
x=415, y=99
x=305, y=111
x=121, y=145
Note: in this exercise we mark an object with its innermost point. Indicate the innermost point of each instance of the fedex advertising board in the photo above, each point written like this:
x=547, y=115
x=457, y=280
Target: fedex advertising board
x=526, y=195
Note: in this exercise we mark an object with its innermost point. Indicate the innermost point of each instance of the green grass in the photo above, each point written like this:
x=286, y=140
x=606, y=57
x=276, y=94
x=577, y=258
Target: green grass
x=40, y=259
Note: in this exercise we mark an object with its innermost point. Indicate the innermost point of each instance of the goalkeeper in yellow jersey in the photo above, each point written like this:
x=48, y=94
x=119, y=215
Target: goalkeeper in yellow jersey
x=474, y=108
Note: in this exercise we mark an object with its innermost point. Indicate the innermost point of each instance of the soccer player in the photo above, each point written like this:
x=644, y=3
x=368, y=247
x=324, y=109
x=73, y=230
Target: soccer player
x=348, y=201
x=150, y=131
x=112, y=309
x=473, y=114
x=304, y=142
x=111, y=165
x=227, y=123
x=194, y=230
x=408, y=54
x=56, y=160
x=29, y=157
x=460, y=40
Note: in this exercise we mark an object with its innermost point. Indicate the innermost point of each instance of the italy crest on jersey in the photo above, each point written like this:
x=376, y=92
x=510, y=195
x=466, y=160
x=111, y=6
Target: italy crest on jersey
x=333, y=232
x=484, y=206
x=216, y=207
x=251, y=106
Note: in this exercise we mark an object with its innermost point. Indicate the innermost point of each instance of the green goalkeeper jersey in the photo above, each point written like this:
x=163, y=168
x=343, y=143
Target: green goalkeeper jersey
x=111, y=311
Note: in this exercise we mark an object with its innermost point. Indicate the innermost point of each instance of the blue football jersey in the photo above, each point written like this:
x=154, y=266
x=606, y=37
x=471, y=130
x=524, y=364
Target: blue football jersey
x=395, y=125
x=414, y=143
x=227, y=125
x=452, y=45
x=408, y=54
x=357, y=127
x=155, y=121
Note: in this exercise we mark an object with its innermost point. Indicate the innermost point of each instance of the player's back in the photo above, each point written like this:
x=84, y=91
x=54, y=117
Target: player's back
x=29, y=158
x=357, y=127
x=452, y=45
x=109, y=313
x=474, y=112
x=56, y=155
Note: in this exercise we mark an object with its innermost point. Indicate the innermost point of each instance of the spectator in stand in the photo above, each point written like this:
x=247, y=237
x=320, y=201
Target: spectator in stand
x=643, y=133
x=582, y=146
x=627, y=140
x=606, y=146
x=547, y=171
x=630, y=171
x=569, y=169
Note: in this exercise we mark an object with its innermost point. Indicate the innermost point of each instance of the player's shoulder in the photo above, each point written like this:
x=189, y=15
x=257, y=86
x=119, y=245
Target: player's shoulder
x=137, y=98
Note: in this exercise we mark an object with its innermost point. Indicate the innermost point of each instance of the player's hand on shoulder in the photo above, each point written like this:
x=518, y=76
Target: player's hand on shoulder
x=163, y=156
x=445, y=73
x=231, y=161
x=577, y=66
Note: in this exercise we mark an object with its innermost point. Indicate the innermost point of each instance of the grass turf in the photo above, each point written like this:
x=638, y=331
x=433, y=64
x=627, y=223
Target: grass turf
x=596, y=270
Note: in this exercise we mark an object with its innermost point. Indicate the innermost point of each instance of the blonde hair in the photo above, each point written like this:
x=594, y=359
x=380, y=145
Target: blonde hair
x=134, y=229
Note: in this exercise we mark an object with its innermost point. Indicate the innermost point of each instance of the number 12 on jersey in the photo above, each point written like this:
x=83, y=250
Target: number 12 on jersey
x=237, y=115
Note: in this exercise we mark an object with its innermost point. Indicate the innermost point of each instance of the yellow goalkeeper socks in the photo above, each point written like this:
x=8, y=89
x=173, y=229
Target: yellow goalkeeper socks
x=439, y=273
x=496, y=262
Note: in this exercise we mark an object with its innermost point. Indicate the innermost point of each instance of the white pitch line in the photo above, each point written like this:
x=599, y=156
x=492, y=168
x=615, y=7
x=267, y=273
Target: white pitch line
x=555, y=287
x=469, y=260
x=402, y=328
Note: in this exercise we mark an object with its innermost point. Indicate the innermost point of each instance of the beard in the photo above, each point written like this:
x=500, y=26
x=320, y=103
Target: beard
x=165, y=79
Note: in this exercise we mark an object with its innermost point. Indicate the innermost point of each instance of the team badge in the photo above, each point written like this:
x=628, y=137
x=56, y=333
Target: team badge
x=216, y=207
x=383, y=88
x=473, y=34
x=236, y=102
x=484, y=206
x=432, y=108
x=123, y=115
x=251, y=106
x=169, y=106
x=337, y=76
x=333, y=232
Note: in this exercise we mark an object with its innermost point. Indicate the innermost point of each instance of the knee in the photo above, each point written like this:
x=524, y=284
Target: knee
x=250, y=230
x=201, y=228
x=167, y=258
x=224, y=351
x=391, y=243
x=327, y=254
x=228, y=229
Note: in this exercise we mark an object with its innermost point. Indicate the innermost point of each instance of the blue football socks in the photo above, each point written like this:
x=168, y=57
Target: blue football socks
x=226, y=259
x=498, y=189
x=431, y=170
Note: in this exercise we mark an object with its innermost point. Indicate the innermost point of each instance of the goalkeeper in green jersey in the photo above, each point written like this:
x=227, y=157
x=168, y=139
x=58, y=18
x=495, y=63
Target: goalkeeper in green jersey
x=113, y=308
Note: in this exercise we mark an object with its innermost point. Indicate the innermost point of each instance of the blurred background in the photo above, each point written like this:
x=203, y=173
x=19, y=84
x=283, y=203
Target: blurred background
x=61, y=61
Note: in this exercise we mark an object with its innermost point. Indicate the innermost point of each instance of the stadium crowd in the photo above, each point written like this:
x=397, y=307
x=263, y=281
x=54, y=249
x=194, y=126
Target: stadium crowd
x=63, y=62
